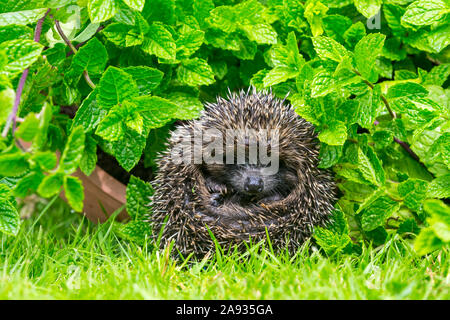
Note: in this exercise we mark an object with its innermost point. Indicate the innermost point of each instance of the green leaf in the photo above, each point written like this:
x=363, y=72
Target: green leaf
x=73, y=189
x=354, y=34
x=329, y=241
x=73, y=151
x=370, y=167
x=335, y=134
x=424, y=12
x=322, y=84
x=117, y=33
x=366, y=52
x=51, y=185
x=408, y=226
x=159, y=42
x=21, y=17
x=135, y=4
x=261, y=33
x=328, y=48
x=147, y=79
x=115, y=86
x=89, y=114
x=188, y=43
x=195, y=72
x=427, y=242
x=45, y=159
x=111, y=126
x=314, y=12
x=89, y=159
x=189, y=107
x=156, y=111
x=440, y=218
x=329, y=155
x=21, y=54
x=13, y=32
x=406, y=89
x=438, y=75
x=102, y=10
x=9, y=218
x=128, y=150
x=368, y=8
x=28, y=184
x=374, y=212
x=7, y=97
x=28, y=128
x=413, y=192
x=138, y=198
x=91, y=57
x=136, y=230
x=439, y=187
x=13, y=164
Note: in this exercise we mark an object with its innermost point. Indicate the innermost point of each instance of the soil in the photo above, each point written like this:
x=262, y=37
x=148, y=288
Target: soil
x=111, y=166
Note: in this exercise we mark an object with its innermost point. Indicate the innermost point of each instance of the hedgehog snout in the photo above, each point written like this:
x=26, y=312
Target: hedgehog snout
x=253, y=185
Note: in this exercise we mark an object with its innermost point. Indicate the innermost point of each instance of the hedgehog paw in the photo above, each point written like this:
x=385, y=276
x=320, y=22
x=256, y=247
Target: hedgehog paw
x=216, y=199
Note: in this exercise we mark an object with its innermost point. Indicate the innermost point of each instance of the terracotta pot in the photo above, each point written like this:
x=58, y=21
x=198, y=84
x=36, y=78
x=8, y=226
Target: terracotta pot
x=103, y=195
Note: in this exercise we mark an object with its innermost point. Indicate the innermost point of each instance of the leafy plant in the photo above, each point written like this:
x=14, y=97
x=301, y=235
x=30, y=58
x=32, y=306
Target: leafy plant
x=114, y=75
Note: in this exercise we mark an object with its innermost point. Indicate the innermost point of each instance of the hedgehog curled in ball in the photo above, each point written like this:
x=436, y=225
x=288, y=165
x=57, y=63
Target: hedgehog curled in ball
x=233, y=200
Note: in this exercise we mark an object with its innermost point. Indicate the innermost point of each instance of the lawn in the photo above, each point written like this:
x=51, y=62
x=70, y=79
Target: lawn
x=60, y=255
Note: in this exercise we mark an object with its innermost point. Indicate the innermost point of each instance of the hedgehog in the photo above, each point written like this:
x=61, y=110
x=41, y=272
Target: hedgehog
x=247, y=168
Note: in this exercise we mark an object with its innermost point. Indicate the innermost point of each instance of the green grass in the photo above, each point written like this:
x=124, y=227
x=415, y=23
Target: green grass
x=63, y=256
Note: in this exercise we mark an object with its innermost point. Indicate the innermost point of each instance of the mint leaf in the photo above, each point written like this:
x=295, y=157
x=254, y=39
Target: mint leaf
x=115, y=86
x=13, y=164
x=73, y=189
x=439, y=187
x=370, y=167
x=195, y=72
x=89, y=159
x=73, y=151
x=413, y=192
x=424, y=12
x=376, y=210
x=135, y=4
x=128, y=149
x=189, y=107
x=261, y=33
x=147, y=79
x=9, y=218
x=21, y=54
x=102, y=10
x=335, y=134
x=329, y=241
x=159, y=41
x=368, y=8
x=427, y=242
x=138, y=198
x=89, y=114
x=27, y=130
x=91, y=57
x=366, y=52
x=21, y=17
x=328, y=48
x=51, y=185
x=45, y=159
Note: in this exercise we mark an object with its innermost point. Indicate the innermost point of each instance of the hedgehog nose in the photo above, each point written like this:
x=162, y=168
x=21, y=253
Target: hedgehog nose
x=253, y=185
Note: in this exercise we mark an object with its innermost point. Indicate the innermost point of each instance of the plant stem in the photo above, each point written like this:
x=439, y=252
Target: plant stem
x=403, y=144
x=386, y=103
x=74, y=50
x=12, y=118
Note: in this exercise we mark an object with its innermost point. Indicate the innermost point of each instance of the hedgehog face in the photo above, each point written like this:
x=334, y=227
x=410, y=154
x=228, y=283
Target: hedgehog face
x=253, y=182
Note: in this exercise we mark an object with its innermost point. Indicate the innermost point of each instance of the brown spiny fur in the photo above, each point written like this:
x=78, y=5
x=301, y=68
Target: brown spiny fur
x=182, y=197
